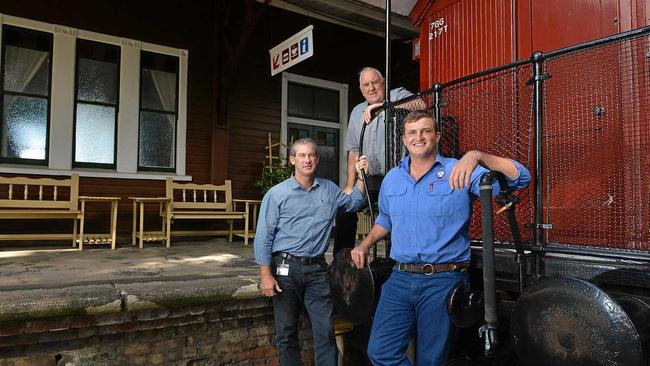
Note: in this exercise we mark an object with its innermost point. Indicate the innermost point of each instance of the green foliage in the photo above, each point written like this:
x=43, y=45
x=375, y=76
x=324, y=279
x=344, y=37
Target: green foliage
x=272, y=175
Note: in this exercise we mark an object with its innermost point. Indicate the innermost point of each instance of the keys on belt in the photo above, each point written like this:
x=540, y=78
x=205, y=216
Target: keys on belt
x=431, y=268
x=301, y=260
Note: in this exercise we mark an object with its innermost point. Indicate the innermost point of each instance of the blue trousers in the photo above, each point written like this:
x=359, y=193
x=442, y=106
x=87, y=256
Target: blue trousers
x=413, y=304
x=306, y=284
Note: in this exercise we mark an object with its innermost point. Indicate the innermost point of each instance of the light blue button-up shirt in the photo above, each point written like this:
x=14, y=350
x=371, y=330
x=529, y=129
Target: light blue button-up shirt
x=299, y=221
x=374, y=138
x=428, y=220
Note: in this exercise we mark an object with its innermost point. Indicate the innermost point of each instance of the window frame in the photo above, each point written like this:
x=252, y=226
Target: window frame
x=3, y=92
x=341, y=126
x=62, y=105
x=76, y=103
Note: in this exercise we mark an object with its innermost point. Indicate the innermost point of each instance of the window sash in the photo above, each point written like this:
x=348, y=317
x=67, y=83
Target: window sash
x=39, y=41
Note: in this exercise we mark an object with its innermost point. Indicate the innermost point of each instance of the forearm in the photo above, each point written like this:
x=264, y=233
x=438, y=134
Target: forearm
x=265, y=271
x=352, y=171
x=497, y=163
x=376, y=234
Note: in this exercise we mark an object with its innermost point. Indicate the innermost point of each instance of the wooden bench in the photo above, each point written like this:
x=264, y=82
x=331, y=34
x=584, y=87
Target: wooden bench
x=40, y=199
x=189, y=201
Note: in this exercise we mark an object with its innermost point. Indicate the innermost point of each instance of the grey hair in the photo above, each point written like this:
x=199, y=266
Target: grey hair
x=302, y=141
x=370, y=68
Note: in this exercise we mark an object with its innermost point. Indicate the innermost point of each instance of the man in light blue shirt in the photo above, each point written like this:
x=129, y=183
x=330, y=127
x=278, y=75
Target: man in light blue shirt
x=292, y=235
x=371, y=84
x=425, y=203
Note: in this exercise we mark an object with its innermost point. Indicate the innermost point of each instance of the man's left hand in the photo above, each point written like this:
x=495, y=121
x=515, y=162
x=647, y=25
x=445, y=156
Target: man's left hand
x=461, y=173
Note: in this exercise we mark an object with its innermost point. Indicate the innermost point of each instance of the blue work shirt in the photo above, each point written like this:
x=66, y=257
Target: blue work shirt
x=428, y=220
x=299, y=221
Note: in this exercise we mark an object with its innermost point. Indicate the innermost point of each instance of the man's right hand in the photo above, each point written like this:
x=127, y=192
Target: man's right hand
x=359, y=255
x=367, y=113
x=269, y=286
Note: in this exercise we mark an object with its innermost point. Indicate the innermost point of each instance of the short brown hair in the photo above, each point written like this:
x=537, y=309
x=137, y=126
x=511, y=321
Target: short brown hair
x=418, y=115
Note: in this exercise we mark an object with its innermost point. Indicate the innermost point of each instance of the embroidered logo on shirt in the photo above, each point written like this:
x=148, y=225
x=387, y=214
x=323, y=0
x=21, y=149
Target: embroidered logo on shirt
x=440, y=173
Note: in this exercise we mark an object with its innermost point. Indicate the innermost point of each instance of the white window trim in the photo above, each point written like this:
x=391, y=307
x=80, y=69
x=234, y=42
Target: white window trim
x=62, y=104
x=343, y=115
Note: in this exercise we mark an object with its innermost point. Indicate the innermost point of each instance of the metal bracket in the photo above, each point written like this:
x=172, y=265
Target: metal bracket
x=543, y=77
x=545, y=226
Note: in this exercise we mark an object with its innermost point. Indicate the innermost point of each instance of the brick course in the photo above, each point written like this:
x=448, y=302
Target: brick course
x=237, y=332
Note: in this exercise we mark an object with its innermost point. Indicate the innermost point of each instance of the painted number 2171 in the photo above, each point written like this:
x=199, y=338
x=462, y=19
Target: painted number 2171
x=437, y=28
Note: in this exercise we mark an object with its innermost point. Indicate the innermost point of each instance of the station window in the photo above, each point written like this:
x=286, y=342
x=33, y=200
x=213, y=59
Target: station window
x=26, y=75
x=97, y=92
x=158, y=106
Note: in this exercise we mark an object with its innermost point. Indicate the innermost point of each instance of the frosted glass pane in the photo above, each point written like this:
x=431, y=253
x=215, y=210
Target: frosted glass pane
x=327, y=168
x=95, y=134
x=24, y=127
x=156, y=144
x=27, y=70
x=159, y=90
x=97, y=81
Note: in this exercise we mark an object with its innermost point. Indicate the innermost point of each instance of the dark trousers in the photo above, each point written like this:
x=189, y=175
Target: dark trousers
x=345, y=235
x=308, y=285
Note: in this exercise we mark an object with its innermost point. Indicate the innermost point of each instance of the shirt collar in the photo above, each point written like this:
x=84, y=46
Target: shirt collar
x=295, y=185
x=406, y=161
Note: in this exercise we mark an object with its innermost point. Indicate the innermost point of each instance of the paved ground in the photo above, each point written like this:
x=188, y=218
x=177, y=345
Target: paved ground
x=48, y=267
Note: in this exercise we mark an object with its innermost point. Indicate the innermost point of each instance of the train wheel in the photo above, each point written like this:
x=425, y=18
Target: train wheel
x=567, y=321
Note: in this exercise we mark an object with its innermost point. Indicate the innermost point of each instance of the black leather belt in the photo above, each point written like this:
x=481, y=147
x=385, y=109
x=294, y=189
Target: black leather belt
x=430, y=268
x=301, y=260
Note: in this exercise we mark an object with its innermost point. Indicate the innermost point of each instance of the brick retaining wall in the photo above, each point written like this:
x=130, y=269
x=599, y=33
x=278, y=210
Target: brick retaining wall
x=234, y=332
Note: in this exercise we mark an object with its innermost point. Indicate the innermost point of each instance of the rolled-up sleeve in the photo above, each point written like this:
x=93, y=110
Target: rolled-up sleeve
x=522, y=180
x=383, y=219
x=265, y=231
x=351, y=203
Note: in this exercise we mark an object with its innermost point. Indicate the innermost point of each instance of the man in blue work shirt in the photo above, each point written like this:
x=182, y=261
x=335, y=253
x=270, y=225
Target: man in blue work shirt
x=425, y=203
x=292, y=236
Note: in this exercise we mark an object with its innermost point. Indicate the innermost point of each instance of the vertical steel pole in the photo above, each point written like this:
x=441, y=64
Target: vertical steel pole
x=538, y=91
x=387, y=36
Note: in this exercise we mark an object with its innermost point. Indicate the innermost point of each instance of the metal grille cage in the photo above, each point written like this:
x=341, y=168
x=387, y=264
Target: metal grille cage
x=596, y=149
x=594, y=122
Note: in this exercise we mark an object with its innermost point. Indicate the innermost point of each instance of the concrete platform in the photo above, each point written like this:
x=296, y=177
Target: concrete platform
x=44, y=282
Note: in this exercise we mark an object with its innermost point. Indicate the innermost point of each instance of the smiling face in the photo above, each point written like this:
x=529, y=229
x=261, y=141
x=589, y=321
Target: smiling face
x=421, y=137
x=372, y=86
x=305, y=160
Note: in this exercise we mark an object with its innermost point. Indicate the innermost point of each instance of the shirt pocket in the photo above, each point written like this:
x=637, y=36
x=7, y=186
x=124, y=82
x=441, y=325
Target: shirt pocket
x=439, y=200
x=325, y=211
x=396, y=197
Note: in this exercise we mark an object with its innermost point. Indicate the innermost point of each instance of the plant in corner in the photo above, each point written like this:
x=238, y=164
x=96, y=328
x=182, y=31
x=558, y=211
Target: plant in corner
x=273, y=174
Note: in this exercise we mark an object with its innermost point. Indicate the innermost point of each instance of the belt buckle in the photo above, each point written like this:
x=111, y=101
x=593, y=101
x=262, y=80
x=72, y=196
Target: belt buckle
x=427, y=269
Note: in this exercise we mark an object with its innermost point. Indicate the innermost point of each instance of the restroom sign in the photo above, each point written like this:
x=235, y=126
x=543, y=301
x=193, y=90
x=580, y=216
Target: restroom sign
x=295, y=49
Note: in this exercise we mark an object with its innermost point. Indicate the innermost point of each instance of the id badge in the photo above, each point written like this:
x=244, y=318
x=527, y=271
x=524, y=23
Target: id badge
x=283, y=269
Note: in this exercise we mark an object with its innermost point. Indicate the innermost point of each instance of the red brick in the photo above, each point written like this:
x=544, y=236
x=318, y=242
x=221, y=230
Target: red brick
x=136, y=349
x=81, y=321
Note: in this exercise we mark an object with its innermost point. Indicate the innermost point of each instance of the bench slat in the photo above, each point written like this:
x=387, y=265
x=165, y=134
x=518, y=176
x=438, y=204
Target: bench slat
x=35, y=204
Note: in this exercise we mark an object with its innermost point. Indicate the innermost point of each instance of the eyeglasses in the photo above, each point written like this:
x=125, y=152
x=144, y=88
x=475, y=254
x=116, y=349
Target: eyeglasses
x=303, y=155
x=374, y=83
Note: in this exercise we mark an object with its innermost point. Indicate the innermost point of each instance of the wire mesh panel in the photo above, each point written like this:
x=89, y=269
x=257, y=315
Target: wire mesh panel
x=596, y=149
x=493, y=114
